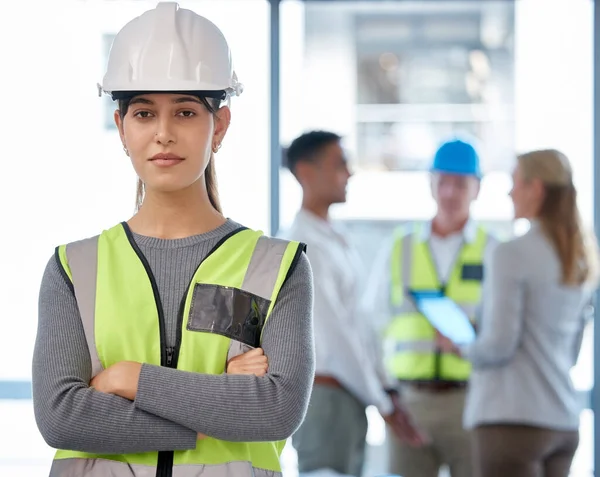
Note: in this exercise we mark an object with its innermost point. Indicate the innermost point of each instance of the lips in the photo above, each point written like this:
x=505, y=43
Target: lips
x=165, y=159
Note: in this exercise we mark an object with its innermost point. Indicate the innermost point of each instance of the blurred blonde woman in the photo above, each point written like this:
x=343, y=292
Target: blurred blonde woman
x=522, y=406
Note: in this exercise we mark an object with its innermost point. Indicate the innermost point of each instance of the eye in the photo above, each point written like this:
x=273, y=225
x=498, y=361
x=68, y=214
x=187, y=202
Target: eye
x=142, y=114
x=186, y=114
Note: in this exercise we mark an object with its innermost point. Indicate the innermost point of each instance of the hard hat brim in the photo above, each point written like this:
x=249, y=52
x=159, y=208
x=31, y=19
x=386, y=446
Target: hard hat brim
x=477, y=175
x=119, y=95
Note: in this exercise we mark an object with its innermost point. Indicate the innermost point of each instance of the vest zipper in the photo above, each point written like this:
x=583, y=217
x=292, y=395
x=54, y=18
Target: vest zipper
x=164, y=465
x=169, y=355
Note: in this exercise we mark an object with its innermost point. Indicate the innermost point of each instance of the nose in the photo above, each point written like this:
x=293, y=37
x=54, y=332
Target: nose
x=164, y=132
x=447, y=191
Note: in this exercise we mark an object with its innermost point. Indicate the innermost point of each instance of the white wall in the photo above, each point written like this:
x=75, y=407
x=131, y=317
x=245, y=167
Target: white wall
x=554, y=84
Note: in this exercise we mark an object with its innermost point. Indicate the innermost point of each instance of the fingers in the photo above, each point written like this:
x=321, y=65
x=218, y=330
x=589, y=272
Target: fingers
x=252, y=359
x=406, y=430
x=258, y=366
x=252, y=365
x=251, y=362
x=253, y=353
x=409, y=435
x=256, y=358
x=256, y=352
x=259, y=372
x=440, y=338
x=257, y=369
x=255, y=363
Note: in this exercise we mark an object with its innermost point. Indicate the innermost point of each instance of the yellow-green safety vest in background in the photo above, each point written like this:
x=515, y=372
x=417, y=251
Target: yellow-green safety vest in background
x=119, y=307
x=411, y=353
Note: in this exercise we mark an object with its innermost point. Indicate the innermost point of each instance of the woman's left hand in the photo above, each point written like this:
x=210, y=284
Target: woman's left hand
x=120, y=379
x=251, y=362
x=445, y=345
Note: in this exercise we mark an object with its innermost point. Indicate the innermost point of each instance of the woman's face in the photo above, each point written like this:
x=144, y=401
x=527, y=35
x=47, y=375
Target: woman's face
x=527, y=196
x=170, y=137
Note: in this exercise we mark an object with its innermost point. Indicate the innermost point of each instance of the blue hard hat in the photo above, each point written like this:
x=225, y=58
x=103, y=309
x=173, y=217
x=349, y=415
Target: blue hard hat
x=457, y=157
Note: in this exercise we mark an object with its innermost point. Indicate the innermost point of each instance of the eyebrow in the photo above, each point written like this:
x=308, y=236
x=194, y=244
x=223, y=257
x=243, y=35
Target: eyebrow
x=184, y=99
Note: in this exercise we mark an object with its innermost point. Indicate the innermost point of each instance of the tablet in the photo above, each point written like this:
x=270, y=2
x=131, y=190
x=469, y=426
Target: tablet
x=445, y=316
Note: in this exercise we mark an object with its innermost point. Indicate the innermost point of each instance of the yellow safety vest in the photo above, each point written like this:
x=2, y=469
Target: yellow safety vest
x=411, y=353
x=122, y=317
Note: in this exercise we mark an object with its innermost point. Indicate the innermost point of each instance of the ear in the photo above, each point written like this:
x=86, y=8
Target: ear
x=303, y=172
x=222, y=121
x=119, y=123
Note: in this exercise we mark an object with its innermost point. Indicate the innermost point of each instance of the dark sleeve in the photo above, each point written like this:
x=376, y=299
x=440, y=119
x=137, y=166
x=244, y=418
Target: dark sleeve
x=242, y=407
x=72, y=416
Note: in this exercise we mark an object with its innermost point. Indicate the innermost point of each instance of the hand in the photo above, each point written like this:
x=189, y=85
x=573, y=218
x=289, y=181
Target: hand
x=445, y=345
x=403, y=426
x=252, y=362
x=120, y=379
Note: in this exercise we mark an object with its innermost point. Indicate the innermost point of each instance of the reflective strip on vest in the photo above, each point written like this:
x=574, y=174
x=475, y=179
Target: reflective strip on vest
x=110, y=283
x=260, y=278
x=409, y=346
x=111, y=468
x=82, y=258
x=401, y=274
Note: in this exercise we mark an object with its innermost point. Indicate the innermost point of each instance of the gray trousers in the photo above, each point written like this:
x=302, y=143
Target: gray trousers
x=333, y=434
x=439, y=415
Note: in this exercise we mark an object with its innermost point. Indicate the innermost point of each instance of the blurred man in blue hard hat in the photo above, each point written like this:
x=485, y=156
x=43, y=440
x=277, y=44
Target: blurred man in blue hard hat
x=455, y=182
x=445, y=255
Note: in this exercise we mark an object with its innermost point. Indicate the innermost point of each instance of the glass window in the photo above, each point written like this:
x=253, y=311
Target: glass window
x=396, y=78
x=423, y=75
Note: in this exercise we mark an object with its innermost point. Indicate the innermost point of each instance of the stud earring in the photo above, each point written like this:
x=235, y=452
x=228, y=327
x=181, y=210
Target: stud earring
x=216, y=147
x=126, y=151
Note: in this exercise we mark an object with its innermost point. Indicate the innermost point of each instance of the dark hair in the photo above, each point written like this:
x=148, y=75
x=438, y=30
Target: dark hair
x=210, y=175
x=307, y=146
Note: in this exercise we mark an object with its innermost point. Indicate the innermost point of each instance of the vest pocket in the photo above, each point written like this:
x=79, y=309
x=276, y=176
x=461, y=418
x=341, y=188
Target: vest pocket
x=228, y=311
x=472, y=271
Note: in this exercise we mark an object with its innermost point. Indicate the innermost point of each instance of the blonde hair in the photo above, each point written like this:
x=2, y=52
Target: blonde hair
x=559, y=215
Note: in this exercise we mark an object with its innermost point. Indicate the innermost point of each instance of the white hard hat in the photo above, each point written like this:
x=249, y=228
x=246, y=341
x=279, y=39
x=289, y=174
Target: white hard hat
x=170, y=49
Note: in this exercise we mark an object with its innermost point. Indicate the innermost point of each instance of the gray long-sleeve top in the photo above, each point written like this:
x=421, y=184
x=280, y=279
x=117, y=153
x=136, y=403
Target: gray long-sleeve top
x=171, y=406
x=529, y=339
